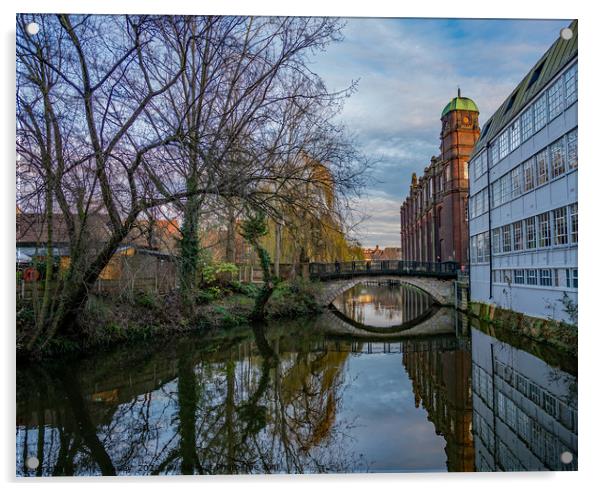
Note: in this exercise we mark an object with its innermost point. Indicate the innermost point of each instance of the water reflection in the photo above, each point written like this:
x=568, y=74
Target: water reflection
x=292, y=398
x=524, y=410
x=383, y=305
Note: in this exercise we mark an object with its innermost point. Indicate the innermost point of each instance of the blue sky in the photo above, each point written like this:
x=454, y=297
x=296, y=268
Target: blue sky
x=408, y=70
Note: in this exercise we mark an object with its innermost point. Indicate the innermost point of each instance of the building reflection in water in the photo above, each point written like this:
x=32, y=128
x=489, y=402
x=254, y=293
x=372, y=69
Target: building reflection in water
x=524, y=410
x=441, y=383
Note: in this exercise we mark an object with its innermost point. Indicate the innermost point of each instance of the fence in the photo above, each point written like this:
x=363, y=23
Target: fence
x=327, y=271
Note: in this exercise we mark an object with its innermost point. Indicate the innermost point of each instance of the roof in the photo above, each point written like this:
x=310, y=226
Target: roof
x=460, y=104
x=560, y=54
x=151, y=234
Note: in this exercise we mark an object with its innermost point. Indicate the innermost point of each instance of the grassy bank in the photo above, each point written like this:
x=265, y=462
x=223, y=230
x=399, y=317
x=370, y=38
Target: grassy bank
x=110, y=320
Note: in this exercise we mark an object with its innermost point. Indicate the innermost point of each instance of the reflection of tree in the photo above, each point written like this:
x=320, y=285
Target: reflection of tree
x=242, y=407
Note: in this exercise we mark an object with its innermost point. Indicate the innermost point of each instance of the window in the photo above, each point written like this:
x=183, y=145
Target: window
x=519, y=276
x=526, y=122
x=515, y=135
x=574, y=223
x=530, y=232
x=518, y=236
x=542, y=168
x=540, y=117
x=503, y=144
x=515, y=177
x=495, y=238
x=545, y=277
x=571, y=149
x=529, y=174
x=496, y=193
x=495, y=152
x=535, y=75
x=506, y=188
x=448, y=173
x=571, y=278
x=560, y=227
x=531, y=277
x=570, y=85
x=557, y=156
x=555, y=99
x=506, y=238
x=465, y=170
x=544, y=230
x=482, y=247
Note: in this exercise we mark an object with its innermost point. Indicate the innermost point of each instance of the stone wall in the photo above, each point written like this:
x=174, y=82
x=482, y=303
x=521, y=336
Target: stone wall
x=558, y=334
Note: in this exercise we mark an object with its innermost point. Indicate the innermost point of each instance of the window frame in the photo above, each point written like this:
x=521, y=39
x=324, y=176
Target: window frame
x=560, y=225
x=544, y=239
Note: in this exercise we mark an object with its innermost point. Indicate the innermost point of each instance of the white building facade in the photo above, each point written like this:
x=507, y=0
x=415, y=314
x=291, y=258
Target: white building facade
x=523, y=212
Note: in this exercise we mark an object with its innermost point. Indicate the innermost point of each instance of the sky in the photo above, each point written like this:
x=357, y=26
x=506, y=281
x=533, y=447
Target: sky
x=408, y=70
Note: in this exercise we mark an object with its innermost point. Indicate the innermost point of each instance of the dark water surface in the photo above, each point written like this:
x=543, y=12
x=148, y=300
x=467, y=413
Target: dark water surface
x=290, y=397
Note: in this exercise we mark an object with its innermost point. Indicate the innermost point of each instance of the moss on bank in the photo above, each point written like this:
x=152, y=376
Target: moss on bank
x=107, y=320
x=560, y=335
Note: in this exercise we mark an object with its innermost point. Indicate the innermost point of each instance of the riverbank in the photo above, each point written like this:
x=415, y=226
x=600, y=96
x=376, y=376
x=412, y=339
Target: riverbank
x=111, y=320
x=560, y=335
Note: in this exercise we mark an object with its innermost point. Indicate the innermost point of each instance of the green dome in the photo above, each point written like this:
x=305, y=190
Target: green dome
x=460, y=104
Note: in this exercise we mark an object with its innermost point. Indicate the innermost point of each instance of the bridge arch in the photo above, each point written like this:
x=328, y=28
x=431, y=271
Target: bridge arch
x=442, y=291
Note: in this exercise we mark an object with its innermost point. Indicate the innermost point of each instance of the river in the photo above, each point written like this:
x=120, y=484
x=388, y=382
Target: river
x=297, y=396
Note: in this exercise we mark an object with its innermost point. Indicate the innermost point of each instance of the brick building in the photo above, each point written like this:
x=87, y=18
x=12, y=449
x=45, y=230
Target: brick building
x=434, y=224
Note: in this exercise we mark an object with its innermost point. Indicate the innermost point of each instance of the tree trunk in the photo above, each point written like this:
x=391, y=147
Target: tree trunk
x=278, y=250
x=231, y=236
x=189, y=253
x=267, y=289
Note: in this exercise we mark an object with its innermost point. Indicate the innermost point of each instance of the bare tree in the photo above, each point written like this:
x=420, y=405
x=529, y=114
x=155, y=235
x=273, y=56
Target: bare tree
x=122, y=115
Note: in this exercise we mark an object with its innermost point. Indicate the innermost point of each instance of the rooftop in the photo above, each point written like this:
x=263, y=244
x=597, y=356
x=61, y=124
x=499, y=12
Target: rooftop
x=560, y=54
x=459, y=104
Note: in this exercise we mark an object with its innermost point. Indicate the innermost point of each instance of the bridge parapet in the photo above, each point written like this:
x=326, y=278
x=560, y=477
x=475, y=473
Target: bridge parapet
x=339, y=270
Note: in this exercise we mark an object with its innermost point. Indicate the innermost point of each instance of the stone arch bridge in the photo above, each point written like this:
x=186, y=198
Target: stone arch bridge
x=436, y=279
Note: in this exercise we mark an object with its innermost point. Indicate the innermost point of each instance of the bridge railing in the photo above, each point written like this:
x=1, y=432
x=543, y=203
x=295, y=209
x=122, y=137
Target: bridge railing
x=325, y=271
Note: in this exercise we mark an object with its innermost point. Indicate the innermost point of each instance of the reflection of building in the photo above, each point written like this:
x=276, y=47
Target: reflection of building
x=523, y=192
x=525, y=412
x=433, y=216
x=441, y=382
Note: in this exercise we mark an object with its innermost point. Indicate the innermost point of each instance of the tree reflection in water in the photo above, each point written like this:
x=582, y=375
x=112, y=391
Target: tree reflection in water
x=247, y=406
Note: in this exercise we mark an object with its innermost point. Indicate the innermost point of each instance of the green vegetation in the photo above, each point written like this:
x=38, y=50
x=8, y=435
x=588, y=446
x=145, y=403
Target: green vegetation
x=220, y=305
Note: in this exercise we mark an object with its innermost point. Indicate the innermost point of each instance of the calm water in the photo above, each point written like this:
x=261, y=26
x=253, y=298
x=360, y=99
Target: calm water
x=377, y=305
x=291, y=397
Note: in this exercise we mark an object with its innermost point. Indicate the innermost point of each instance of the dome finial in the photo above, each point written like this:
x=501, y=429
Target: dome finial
x=459, y=91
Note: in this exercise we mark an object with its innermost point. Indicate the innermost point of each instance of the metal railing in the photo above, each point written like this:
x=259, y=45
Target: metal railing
x=336, y=270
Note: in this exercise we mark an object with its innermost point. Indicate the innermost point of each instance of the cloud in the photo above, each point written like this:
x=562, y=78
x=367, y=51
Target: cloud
x=408, y=69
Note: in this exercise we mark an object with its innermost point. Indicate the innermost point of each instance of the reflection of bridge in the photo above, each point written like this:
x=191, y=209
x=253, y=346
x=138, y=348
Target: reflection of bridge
x=440, y=321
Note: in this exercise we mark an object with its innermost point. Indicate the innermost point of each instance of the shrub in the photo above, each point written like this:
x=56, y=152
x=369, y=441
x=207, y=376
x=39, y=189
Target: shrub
x=146, y=299
x=248, y=289
x=210, y=294
x=212, y=273
x=292, y=298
